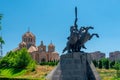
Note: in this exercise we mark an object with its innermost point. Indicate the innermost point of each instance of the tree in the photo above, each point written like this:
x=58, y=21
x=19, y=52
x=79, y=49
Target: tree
x=107, y=64
x=112, y=64
x=95, y=63
x=20, y=59
x=117, y=68
x=100, y=64
x=1, y=39
x=1, y=15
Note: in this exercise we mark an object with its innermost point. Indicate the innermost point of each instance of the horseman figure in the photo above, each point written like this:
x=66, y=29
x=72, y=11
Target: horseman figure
x=78, y=38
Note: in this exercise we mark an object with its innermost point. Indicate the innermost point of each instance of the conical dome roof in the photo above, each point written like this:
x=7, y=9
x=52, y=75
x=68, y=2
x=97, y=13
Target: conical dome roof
x=28, y=34
x=22, y=43
x=51, y=45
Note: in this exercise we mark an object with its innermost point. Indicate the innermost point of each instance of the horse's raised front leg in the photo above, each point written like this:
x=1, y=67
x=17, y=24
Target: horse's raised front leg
x=94, y=34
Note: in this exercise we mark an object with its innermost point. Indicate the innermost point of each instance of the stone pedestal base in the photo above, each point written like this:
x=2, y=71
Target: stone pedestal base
x=74, y=66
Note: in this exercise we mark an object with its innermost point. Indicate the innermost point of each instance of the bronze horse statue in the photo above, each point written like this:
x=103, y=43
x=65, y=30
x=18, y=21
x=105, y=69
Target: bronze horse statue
x=84, y=37
x=77, y=40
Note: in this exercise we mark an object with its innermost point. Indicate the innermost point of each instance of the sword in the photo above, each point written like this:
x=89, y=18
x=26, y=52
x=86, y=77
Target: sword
x=75, y=23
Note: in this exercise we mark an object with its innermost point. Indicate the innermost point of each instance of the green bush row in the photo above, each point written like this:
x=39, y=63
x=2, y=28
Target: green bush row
x=49, y=63
x=106, y=63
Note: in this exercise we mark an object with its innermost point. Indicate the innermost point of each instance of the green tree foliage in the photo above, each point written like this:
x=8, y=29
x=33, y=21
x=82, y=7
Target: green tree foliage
x=20, y=59
x=1, y=15
x=105, y=62
x=117, y=68
x=95, y=63
x=100, y=64
x=51, y=63
x=112, y=63
x=1, y=39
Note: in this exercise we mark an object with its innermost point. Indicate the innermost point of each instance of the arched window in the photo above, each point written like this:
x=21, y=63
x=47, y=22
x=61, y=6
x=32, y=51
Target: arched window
x=43, y=60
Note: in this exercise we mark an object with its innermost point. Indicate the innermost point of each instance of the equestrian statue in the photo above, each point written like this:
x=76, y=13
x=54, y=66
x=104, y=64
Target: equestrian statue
x=78, y=37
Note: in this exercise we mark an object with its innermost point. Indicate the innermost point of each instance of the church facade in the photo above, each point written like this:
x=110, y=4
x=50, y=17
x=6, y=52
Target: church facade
x=38, y=53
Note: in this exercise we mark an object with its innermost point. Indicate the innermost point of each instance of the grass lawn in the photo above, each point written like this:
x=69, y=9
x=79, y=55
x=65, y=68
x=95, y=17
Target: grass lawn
x=39, y=73
x=109, y=74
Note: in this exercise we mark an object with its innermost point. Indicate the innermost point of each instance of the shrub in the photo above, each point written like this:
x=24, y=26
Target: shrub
x=112, y=64
x=49, y=63
x=100, y=64
x=20, y=59
x=106, y=65
x=117, y=68
x=95, y=63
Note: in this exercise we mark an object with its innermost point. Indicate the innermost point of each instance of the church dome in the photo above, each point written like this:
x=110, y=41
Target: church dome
x=28, y=34
x=51, y=45
x=22, y=43
x=29, y=39
x=51, y=48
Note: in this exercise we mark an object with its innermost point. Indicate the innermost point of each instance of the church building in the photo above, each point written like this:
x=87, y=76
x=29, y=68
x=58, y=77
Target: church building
x=38, y=53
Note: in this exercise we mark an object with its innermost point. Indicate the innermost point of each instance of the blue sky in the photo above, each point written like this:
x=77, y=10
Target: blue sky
x=51, y=20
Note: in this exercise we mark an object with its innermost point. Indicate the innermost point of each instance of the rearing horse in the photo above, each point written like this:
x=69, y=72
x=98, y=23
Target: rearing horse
x=84, y=37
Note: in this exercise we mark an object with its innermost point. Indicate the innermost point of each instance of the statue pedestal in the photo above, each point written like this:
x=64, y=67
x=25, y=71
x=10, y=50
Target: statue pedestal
x=74, y=66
